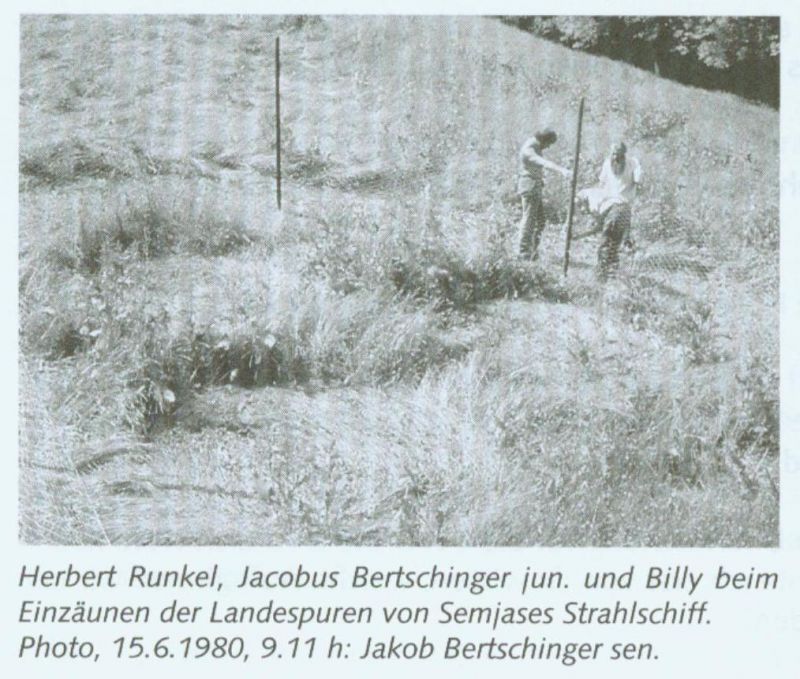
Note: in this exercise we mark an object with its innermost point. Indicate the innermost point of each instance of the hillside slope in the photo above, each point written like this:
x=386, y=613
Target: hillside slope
x=372, y=364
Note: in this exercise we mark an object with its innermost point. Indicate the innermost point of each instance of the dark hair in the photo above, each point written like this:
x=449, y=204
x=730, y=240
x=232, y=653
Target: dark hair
x=546, y=137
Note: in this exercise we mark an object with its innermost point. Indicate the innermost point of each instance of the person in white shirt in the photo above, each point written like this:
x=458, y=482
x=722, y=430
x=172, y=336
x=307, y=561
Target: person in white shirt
x=610, y=203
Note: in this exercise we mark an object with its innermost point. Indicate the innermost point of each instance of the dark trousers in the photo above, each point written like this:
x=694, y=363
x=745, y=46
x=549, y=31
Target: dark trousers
x=531, y=224
x=616, y=224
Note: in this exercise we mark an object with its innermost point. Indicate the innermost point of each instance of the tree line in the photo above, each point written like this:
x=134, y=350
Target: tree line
x=736, y=54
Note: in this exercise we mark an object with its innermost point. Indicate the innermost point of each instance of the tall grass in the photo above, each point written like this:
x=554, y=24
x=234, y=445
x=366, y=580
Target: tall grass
x=434, y=389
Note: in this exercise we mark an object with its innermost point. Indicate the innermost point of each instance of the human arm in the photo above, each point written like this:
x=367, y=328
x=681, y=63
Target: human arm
x=603, y=178
x=605, y=171
x=531, y=155
x=636, y=171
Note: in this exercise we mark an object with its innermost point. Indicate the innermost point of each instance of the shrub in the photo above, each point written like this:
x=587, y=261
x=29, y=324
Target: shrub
x=695, y=327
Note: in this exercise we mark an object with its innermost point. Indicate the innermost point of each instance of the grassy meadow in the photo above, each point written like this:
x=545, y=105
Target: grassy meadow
x=373, y=364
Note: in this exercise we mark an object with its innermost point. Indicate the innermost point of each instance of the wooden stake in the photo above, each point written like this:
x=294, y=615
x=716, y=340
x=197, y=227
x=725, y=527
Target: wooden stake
x=278, y=120
x=571, y=211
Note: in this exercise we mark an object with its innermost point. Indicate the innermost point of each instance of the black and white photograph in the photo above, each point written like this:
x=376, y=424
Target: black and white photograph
x=399, y=280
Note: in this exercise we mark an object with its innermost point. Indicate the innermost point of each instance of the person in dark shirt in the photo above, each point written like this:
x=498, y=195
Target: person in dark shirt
x=530, y=184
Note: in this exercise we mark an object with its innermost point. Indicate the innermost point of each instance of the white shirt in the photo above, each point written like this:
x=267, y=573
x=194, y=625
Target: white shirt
x=615, y=189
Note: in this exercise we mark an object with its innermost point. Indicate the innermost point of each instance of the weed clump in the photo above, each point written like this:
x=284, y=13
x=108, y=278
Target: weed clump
x=695, y=327
x=254, y=355
x=356, y=254
x=754, y=421
x=168, y=354
x=451, y=282
x=146, y=227
x=74, y=158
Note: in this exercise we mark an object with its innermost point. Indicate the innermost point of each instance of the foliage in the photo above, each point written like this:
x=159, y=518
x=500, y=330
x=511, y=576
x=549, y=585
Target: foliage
x=740, y=54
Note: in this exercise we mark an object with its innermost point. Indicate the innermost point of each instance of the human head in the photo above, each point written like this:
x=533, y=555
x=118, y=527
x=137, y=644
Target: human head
x=546, y=137
x=618, y=151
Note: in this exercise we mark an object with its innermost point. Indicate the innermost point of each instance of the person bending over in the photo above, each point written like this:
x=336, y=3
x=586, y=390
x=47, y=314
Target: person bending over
x=610, y=204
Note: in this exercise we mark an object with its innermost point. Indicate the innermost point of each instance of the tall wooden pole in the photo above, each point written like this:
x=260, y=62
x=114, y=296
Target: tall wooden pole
x=571, y=211
x=278, y=120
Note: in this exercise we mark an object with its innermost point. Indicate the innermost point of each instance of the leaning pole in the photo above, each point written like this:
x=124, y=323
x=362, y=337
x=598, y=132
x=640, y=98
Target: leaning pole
x=278, y=120
x=571, y=212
